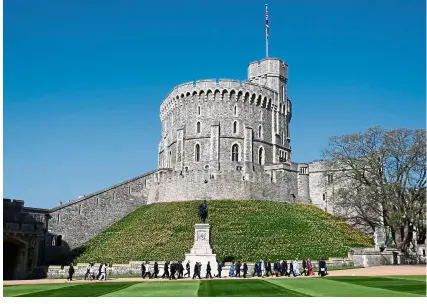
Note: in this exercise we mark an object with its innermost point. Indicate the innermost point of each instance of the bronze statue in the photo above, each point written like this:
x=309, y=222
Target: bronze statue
x=203, y=211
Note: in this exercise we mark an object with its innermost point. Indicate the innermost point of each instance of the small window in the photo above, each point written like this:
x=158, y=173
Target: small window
x=330, y=178
x=197, y=153
x=59, y=240
x=261, y=156
x=260, y=132
x=324, y=196
x=198, y=127
x=303, y=170
x=260, y=115
x=235, y=127
x=285, y=156
x=199, y=111
x=235, y=152
x=235, y=110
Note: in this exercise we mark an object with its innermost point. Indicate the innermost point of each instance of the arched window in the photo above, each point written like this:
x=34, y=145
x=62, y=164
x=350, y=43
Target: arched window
x=260, y=132
x=235, y=152
x=261, y=160
x=198, y=127
x=235, y=127
x=197, y=153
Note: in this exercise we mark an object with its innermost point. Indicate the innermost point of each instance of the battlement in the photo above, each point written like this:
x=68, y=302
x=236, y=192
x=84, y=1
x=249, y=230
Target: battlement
x=228, y=90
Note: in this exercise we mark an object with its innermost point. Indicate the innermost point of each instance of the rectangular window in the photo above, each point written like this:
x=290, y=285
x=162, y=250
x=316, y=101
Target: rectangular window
x=330, y=178
x=303, y=170
x=324, y=196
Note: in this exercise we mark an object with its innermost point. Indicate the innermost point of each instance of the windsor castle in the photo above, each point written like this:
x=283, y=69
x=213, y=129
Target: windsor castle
x=221, y=139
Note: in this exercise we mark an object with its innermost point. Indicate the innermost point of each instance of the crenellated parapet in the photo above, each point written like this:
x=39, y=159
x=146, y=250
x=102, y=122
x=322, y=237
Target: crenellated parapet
x=220, y=90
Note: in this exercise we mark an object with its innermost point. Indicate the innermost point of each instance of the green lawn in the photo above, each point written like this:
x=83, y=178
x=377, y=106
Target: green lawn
x=391, y=286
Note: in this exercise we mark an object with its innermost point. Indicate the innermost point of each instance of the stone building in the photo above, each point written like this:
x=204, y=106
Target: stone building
x=220, y=139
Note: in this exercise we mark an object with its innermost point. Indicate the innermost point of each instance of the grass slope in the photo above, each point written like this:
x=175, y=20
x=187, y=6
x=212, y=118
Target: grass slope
x=245, y=230
x=305, y=287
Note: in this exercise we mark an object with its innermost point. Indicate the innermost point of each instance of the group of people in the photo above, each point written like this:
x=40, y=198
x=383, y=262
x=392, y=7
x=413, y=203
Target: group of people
x=173, y=271
x=278, y=268
x=90, y=272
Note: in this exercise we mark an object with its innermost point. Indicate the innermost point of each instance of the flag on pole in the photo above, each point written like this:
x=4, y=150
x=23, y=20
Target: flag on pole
x=267, y=27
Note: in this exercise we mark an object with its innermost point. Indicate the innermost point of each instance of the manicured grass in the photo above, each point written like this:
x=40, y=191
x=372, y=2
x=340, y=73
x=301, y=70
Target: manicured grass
x=394, y=284
x=245, y=230
x=284, y=287
x=82, y=290
x=244, y=288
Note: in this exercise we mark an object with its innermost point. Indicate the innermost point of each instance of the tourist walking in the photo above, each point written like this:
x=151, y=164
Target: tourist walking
x=245, y=269
x=180, y=270
x=296, y=268
x=103, y=269
x=284, y=268
x=197, y=267
x=238, y=269
x=142, y=270
x=208, y=270
x=187, y=268
x=268, y=269
x=232, y=269
x=219, y=268
x=304, y=267
x=91, y=272
x=147, y=270
x=155, y=270
x=166, y=271
x=70, y=272
x=87, y=271
x=291, y=269
x=322, y=267
x=310, y=267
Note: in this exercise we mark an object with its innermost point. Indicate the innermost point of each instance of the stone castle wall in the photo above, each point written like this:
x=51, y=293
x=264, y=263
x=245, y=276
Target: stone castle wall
x=81, y=219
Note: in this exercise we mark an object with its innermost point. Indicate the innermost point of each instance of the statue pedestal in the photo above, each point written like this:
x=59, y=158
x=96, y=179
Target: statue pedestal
x=201, y=251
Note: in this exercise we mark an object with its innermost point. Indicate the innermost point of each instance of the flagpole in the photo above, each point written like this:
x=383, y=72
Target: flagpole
x=266, y=30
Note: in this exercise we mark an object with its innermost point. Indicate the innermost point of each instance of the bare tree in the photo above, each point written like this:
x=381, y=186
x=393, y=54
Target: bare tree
x=384, y=173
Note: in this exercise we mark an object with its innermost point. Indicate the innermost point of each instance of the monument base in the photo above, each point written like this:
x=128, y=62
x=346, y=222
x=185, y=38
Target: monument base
x=202, y=251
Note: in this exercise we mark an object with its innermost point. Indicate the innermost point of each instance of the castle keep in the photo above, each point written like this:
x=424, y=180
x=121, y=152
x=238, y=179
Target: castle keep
x=221, y=139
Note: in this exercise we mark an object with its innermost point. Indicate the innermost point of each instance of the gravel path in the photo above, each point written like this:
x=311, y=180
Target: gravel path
x=371, y=271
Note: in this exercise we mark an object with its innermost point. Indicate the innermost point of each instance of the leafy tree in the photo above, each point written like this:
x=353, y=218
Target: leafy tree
x=382, y=180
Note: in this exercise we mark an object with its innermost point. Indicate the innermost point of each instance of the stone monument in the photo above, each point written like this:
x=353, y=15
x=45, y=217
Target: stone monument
x=202, y=251
x=380, y=238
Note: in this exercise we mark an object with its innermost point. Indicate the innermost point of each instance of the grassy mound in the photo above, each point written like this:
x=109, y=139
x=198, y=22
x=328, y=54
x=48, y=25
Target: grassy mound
x=245, y=230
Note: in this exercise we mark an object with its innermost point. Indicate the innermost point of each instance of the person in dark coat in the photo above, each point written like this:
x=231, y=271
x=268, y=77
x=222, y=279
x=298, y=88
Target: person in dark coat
x=219, y=268
x=187, y=268
x=173, y=271
x=70, y=273
x=166, y=270
x=276, y=267
x=245, y=269
x=259, y=268
x=268, y=269
x=180, y=270
x=284, y=268
x=142, y=270
x=255, y=269
x=196, y=271
x=99, y=271
x=322, y=267
x=291, y=269
x=304, y=267
x=208, y=270
x=155, y=270
x=238, y=265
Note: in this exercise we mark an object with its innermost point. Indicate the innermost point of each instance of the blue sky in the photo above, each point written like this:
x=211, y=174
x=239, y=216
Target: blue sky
x=83, y=80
